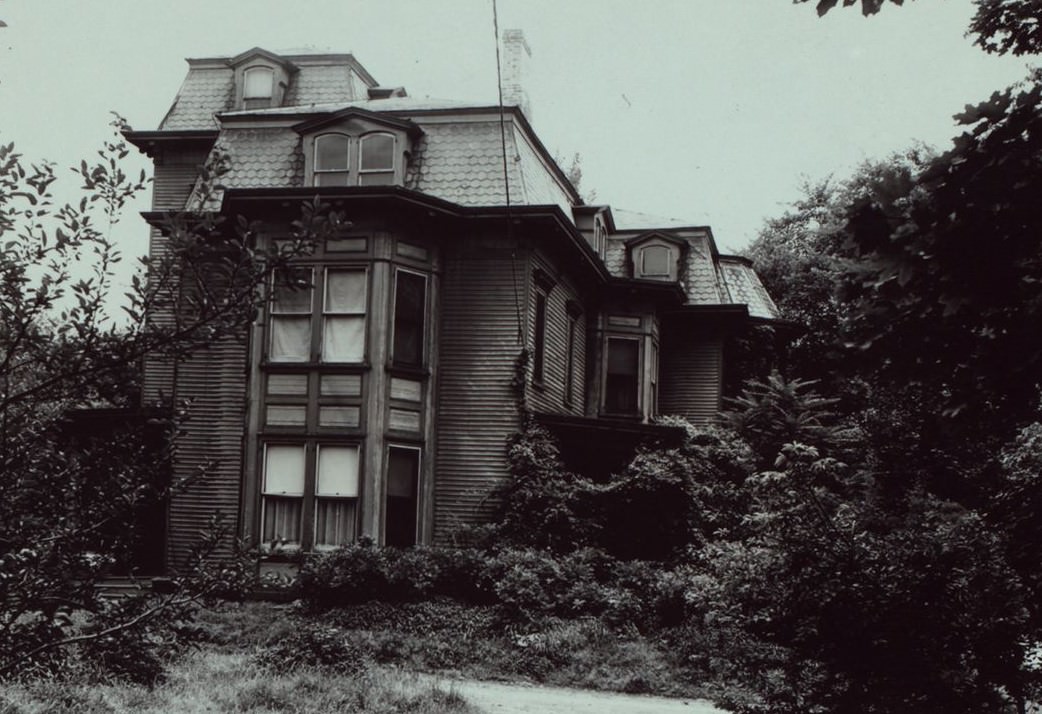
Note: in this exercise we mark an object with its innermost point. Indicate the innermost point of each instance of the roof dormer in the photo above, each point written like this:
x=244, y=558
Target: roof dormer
x=261, y=79
x=656, y=256
x=355, y=147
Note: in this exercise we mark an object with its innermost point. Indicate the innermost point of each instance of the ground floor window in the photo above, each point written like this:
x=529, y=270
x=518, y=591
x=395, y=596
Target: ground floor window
x=310, y=496
x=403, y=479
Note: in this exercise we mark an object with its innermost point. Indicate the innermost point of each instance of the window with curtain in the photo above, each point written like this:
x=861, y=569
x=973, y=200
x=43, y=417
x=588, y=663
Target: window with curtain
x=290, y=323
x=343, y=315
x=336, y=495
x=283, y=496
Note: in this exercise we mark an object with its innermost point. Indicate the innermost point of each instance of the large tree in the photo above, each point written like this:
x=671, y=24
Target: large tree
x=68, y=494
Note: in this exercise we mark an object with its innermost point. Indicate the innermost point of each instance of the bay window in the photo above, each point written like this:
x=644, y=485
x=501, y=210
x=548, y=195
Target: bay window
x=310, y=496
x=293, y=318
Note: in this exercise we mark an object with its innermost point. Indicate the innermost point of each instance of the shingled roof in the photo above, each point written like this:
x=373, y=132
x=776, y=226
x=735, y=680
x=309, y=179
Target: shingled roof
x=457, y=155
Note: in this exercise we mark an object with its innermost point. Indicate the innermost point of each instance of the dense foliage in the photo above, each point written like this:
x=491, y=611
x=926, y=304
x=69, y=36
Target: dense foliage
x=74, y=481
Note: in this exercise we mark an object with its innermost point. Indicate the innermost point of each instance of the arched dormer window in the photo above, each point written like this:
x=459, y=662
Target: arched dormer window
x=655, y=262
x=372, y=149
x=258, y=84
x=376, y=163
x=656, y=256
x=331, y=160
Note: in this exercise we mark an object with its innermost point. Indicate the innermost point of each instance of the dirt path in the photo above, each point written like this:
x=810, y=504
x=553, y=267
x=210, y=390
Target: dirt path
x=496, y=698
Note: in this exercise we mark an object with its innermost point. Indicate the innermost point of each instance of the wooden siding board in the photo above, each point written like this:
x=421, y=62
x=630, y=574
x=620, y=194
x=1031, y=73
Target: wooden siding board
x=213, y=382
x=690, y=374
x=549, y=397
x=174, y=178
x=475, y=414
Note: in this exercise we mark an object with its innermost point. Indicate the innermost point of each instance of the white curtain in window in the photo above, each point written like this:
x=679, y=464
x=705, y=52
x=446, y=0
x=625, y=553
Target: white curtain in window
x=284, y=469
x=282, y=519
x=343, y=339
x=345, y=291
x=335, y=520
x=337, y=471
x=290, y=339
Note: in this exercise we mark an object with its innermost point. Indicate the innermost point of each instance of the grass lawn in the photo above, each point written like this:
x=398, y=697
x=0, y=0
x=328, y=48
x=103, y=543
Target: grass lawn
x=261, y=657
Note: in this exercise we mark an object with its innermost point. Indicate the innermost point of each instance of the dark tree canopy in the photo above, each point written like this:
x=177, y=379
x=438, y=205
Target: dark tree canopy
x=999, y=26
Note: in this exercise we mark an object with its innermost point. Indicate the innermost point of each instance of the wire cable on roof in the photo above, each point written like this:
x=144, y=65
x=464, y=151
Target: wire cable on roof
x=506, y=178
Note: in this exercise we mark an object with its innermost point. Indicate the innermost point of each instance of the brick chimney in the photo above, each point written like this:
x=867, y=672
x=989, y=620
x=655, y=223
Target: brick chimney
x=516, y=56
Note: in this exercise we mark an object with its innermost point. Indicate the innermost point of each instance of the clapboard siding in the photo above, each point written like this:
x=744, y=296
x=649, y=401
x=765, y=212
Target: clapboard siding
x=549, y=396
x=158, y=372
x=478, y=347
x=213, y=383
x=690, y=374
x=174, y=178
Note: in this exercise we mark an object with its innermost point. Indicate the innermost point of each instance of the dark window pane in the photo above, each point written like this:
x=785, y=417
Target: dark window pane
x=410, y=303
x=331, y=152
x=377, y=152
x=403, y=467
x=540, y=337
x=621, y=381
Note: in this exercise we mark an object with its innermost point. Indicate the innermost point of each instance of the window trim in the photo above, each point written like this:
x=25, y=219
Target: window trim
x=670, y=260
x=345, y=171
x=392, y=170
x=256, y=70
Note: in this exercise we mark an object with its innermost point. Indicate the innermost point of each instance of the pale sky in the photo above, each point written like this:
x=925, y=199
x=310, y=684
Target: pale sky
x=705, y=110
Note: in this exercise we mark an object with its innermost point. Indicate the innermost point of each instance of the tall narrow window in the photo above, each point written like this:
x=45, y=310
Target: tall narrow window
x=539, y=341
x=653, y=371
x=569, y=377
x=331, y=160
x=622, y=376
x=403, y=477
x=410, y=308
x=336, y=495
x=343, y=316
x=376, y=165
x=282, y=509
x=258, y=84
x=290, y=339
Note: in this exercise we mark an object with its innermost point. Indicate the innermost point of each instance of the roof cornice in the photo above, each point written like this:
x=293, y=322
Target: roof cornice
x=150, y=142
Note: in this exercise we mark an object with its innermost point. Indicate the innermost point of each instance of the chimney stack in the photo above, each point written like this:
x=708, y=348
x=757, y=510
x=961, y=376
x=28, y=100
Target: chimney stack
x=516, y=56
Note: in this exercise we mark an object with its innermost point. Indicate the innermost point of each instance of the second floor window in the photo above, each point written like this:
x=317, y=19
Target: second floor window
x=376, y=162
x=410, y=309
x=338, y=321
x=622, y=376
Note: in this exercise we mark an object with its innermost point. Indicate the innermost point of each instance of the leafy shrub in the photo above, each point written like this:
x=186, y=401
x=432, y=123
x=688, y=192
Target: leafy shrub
x=543, y=504
x=315, y=644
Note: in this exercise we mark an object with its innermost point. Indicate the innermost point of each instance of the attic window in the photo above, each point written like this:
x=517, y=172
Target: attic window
x=331, y=159
x=377, y=160
x=257, y=87
x=655, y=262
